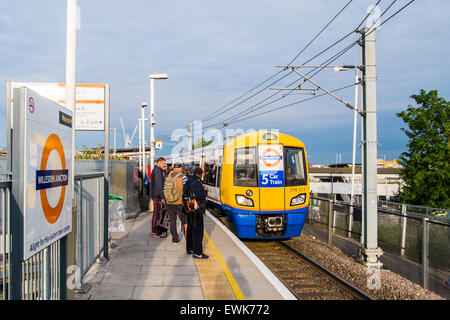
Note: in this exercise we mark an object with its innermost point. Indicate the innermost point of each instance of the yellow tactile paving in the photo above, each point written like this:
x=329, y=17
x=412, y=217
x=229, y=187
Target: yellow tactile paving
x=215, y=277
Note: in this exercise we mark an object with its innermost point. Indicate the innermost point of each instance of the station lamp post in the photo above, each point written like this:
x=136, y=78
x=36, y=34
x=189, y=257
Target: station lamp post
x=153, y=77
x=142, y=134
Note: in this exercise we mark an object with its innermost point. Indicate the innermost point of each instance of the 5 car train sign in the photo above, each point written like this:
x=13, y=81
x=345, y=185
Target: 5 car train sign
x=45, y=178
x=271, y=172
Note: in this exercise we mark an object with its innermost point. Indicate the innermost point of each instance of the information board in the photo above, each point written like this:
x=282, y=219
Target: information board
x=47, y=187
x=90, y=101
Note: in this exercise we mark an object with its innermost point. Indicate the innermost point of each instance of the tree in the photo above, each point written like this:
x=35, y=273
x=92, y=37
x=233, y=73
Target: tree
x=200, y=144
x=96, y=154
x=426, y=172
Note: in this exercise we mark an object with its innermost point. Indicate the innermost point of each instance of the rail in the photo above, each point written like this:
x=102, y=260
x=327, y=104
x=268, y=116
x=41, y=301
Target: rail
x=418, y=237
x=352, y=289
x=89, y=190
x=5, y=204
x=42, y=276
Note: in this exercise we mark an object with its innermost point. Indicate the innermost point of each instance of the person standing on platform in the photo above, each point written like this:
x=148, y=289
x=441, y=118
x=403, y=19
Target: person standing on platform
x=195, y=195
x=157, y=193
x=173, y=192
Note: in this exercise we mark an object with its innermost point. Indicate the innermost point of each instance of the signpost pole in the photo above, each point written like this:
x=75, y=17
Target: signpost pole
x=106, y=178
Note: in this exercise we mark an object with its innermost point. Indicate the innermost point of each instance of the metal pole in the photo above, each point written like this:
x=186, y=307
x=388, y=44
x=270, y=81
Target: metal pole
x=106, y=177
x=140, y=143
x=425, y=253
x=371, y=251
x=78, y=285
x=330, y=222
x=404, y=222
x=143, y=142
x=355, y=126
x=152, y=122
x=71, y=63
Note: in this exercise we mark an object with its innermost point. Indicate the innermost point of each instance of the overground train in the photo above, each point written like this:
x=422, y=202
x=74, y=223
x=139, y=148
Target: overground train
x=259, y=180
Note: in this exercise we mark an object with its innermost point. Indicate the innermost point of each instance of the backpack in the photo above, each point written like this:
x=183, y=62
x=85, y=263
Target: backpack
x=171, y=192
x=163, y=221
x=190, y=204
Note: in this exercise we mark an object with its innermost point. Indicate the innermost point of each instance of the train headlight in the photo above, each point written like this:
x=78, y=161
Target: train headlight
x=244, y=201
x=298, y=200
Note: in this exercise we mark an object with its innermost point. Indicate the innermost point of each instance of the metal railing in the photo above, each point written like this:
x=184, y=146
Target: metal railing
x=41, y=275
x=419, y=237
x=89, y=190
x=5, y=204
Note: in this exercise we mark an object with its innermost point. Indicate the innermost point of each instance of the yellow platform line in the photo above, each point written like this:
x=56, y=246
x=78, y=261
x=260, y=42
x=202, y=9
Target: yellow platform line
x=234, y=286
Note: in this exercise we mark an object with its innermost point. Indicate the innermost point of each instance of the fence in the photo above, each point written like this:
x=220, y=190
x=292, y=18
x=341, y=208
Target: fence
x=5, y=204
x=43, y=276
x=89, y=190
x=420, y=238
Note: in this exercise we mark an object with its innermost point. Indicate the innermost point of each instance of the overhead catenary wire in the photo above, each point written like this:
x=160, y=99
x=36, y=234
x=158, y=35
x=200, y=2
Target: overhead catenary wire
x=293, y=103
x=251, y=109
x=219, y=111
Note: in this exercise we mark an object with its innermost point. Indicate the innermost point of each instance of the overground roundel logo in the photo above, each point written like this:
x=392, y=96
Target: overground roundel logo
x=46, y=179
x=271, y=157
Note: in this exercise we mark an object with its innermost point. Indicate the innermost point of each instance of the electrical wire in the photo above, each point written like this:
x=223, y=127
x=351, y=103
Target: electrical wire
x=218, y=113
x=251, y=109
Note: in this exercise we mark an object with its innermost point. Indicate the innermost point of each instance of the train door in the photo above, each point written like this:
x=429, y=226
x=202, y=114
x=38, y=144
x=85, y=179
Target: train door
x=245, y=177
x=296, y=179
x=271, y=178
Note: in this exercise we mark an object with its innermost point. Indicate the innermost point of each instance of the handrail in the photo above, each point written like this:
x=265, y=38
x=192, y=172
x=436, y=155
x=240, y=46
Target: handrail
x=89, y=176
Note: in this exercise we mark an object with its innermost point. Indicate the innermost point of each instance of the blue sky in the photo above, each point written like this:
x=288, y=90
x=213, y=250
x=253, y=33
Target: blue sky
x=213, y=51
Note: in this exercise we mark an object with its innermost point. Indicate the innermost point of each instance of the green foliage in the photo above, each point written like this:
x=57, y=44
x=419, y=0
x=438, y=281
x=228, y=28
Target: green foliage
x=95, y=154
x=200, y=144
x=426, y=170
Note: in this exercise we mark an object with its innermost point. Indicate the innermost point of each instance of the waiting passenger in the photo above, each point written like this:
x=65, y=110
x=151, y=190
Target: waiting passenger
x=157, y=193
x=194, y=194
x=173, y=192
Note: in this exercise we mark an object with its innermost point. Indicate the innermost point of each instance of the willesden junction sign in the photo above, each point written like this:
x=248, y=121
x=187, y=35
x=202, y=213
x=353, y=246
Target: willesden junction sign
x=42, y=177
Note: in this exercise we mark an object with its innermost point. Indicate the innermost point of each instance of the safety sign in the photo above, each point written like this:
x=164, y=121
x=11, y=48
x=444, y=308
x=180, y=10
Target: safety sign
x=47, y=143
x=271, y=166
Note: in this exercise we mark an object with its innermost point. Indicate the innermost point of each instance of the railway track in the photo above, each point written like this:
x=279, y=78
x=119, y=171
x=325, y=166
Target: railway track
x=305, y=278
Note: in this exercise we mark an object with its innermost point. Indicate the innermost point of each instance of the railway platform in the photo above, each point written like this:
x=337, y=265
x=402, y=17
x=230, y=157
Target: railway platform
x=144, y=268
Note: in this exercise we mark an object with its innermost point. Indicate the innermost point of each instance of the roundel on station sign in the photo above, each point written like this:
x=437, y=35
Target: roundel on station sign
x=52, y=213
x=271, y=157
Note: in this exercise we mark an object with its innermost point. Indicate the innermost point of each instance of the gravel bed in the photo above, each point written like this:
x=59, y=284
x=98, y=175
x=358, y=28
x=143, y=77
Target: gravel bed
x=304, y=280
x=393, y=286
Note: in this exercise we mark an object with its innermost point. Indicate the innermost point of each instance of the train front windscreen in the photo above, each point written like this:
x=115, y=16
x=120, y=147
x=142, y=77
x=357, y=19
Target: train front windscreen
x=295, y=167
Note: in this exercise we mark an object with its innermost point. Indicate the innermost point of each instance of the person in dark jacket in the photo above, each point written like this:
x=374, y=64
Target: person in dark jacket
x=194, y=189
x=157, y=193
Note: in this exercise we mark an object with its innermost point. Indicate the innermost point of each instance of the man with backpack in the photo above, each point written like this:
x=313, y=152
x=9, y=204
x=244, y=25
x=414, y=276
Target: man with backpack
x=194, y=198
x=173, y=192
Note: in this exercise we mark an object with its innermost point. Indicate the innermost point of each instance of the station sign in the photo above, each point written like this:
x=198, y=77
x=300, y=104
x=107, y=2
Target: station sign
x=271, y=166
x=46, y=148
x=158, y=144
x=90, y=101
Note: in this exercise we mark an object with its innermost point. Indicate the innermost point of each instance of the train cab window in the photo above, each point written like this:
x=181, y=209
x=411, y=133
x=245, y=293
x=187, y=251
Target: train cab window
x=295, y=166
x=245, y=167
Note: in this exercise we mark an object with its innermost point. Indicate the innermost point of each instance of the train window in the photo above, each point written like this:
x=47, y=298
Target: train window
x=219, y=173
x=295, y=166
x=210, y=174
x=245, y=167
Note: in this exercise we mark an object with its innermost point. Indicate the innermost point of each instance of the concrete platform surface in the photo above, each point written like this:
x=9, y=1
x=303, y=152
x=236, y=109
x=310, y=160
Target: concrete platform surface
x=144, y=268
